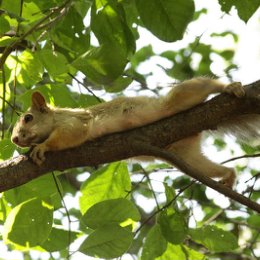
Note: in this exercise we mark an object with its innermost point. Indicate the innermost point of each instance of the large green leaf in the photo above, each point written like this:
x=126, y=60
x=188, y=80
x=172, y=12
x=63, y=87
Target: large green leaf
x=59, y=239
x=109, y=25
x=173, y=226
x=108, y=241
x=41, y=187
x=111, y=211
x=103, y=64
x=29, y=224
x=215, y=239
x=106, y=63
x=12, y=7
x=110, y=182
x=155, y=244
x=245, y=8
x=166, y=19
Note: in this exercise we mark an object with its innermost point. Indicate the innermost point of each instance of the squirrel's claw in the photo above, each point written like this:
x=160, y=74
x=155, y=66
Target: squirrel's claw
x=236, y=89
x=229, y=179
x=37, y=154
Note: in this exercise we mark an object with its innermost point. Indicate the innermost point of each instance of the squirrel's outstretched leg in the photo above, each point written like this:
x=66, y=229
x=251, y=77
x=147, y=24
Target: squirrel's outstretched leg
x=189, y=149
x=193, y=92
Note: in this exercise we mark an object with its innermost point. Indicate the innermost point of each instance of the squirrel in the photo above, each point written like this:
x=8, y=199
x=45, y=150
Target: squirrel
x=46, y=128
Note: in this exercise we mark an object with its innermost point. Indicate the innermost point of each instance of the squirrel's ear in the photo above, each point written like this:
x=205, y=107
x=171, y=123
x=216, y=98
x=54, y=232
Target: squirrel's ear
x=38, y=102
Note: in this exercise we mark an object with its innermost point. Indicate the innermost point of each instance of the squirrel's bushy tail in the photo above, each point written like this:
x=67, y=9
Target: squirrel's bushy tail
x=244, y=127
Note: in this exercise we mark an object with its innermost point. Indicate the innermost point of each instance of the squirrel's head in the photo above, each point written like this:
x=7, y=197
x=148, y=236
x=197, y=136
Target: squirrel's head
x=35, y=125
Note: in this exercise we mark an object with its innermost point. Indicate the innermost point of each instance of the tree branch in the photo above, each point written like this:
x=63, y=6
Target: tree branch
x=189, y=170
x=209, y=115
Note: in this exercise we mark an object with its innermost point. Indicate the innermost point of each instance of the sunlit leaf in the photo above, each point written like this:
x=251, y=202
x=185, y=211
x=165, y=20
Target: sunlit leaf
x=173, y=227
x=111, y=211
x=110, y=182
x=215, y=239
x=29, y=224
x=59, y=239
x=181, y=252
x=166, y=19
x=108, y=241
x=155, y=244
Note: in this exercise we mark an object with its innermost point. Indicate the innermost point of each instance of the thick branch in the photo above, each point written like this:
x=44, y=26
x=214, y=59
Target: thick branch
x=118, y=146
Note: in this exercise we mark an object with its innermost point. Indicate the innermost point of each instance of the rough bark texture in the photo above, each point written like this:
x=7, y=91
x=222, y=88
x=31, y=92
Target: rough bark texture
x=209, y=115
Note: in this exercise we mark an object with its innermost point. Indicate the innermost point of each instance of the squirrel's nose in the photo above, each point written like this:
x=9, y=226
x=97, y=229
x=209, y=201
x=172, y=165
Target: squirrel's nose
x=15, y=140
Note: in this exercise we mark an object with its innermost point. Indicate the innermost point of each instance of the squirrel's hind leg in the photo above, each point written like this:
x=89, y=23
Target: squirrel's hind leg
x=189, y=149
x=192, y=92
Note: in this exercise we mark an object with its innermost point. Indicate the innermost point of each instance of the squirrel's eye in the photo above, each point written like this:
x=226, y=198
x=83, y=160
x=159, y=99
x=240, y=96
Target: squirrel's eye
x=27, y=118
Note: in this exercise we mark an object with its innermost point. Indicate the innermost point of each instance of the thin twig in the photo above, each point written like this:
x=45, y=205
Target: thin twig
x=67, y=212
x=3, y=105
x=86, y=87
x=241, y=157
x=151, y=187
x=135, y=187
x=168, y=204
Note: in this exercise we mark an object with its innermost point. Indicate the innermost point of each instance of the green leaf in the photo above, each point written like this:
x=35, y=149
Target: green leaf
x=41, y=188
x=103, y=64
x=29, y=224
x=119, y=84
x=109, y=25
x=245, y=8
x=4, y=25
x=31, y=69
x=6, y=148
x=82, y=7
x=180, y=252
x=155, y=244
x=254, y=220
x=64, y=33
x=173, y=227
x=5, y=208
x=59, y=239
x=110, y=182
x=215, y=239
x=54, y=62
x=108, y=241
x=166, y=19
x=6, y=40
x=11, y=6
x=169, y=192
x=31, y=12
x=226, y=33
x=141, y=55
x=111, y=211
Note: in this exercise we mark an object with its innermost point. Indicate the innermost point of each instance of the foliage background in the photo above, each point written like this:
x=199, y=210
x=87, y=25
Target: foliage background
x=78, y=52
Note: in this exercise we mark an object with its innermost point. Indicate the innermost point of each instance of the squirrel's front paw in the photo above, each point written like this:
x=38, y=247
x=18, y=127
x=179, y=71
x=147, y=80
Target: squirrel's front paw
x=236, y=89
x=37, y=153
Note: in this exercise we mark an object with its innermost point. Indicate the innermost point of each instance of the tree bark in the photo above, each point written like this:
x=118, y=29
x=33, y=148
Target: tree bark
x=118, y=146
